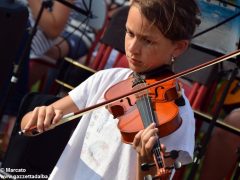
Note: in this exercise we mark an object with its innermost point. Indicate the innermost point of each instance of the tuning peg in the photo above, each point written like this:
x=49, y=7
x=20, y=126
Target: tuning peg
x=176, y=165
x=146, y=166
x=149, y=177
x=173, y=154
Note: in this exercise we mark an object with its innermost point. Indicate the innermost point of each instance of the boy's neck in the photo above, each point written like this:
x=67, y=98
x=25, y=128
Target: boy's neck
x=165, y=69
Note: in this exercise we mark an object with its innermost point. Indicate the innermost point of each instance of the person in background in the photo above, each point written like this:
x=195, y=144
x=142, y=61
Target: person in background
x=59, y=34
x=52, y=23
x=50, y=28
x=157, y=32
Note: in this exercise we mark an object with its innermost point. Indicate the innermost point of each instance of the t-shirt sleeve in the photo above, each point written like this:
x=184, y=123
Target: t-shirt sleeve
x=81, y=93
x=92, y=90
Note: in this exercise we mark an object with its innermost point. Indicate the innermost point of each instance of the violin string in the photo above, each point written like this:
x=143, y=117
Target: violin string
x=150, y=114
x=146, y=106
x=148, y=102
x=157, y=149
x=143, y=109
x=159, y=153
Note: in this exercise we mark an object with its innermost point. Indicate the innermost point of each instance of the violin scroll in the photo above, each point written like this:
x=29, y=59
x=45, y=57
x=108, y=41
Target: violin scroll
x=163, y=173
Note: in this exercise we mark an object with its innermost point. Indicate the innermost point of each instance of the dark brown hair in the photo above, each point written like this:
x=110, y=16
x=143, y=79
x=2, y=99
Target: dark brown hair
x=176, y=19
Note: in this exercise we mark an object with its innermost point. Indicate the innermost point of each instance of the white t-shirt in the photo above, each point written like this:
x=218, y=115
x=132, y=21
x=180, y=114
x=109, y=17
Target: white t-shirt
x=95, y=150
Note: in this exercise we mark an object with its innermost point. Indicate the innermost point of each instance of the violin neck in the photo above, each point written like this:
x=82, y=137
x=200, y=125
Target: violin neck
x=148, y=117
x=158, y=154
x=146, y=111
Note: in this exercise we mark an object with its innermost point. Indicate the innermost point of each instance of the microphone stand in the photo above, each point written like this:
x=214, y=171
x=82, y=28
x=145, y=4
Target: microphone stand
x=201, y=148
x=14, y=78
x=17, y=67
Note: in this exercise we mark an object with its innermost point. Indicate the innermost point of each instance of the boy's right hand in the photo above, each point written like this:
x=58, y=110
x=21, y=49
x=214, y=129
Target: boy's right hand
x=43, y=117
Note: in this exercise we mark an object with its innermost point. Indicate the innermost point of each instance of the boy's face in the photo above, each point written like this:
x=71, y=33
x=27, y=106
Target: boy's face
x=146, y=47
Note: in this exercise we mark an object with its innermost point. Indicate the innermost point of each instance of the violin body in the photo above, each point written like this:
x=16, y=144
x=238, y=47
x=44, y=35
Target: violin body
x=130, y=123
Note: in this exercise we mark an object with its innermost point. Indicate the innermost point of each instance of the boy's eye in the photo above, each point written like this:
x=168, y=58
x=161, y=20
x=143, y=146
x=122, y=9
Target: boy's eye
x=129, y=33
x=147, y=41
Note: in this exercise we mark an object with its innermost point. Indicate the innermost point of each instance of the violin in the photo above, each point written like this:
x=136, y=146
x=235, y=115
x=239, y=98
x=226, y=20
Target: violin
x=135, y=111
x=138, y=111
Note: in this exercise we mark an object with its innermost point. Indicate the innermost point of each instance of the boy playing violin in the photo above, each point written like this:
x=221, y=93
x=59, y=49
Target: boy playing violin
x=157, y=31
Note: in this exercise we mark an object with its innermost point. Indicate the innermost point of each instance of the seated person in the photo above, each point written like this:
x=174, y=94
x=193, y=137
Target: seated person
x=59, y=34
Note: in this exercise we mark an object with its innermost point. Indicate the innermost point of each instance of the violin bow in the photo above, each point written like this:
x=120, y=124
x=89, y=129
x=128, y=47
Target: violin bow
x=74, y=115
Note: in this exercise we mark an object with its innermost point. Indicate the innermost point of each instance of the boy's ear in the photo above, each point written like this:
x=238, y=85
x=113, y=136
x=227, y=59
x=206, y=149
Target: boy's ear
x=181, y=47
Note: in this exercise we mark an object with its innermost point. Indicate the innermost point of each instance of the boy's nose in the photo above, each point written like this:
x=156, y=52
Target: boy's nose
x=134, y=46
